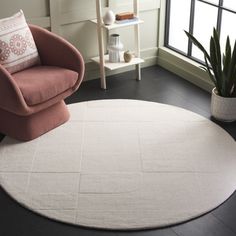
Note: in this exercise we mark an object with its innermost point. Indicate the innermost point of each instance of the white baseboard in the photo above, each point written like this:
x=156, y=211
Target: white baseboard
x=184, y=67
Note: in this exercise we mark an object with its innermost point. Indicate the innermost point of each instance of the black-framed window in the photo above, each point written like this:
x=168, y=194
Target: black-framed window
x=198, y=17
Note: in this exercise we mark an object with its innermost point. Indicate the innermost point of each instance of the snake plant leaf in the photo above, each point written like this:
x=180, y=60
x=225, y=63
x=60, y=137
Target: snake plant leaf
x=207, y=68
x=232, y=70
x=198, y=44
x=224, y=87
x=217, y=55
x=227, y=57
x=228, y=64
x=217, y=46
x=233, y=60
x=233, y=81
x=215, y=64
x=234, y=85
x=213, y=55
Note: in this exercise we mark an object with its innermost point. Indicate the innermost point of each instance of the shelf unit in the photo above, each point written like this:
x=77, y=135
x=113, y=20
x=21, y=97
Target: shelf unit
x=102, y=59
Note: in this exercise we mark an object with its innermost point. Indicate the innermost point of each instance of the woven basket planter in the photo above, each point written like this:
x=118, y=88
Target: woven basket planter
x=223, y=108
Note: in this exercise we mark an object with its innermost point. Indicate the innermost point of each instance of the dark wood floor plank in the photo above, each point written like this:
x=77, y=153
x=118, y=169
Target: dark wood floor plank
x=15, y=220
x=207, y=225
x=161, y=232
x=227, y=213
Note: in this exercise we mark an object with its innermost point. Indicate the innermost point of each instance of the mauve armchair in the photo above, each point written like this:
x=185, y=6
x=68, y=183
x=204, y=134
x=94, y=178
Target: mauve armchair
x=32, y=100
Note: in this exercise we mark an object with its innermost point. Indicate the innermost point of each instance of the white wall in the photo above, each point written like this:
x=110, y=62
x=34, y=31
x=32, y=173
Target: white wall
x=70, y=19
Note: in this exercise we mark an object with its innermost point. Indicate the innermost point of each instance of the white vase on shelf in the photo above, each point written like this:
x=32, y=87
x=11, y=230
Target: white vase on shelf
x=114, y=48
x=109, y=18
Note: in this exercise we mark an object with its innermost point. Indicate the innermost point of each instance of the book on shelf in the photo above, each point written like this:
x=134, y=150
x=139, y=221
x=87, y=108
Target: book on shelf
x=135, y=19
x=125, y=16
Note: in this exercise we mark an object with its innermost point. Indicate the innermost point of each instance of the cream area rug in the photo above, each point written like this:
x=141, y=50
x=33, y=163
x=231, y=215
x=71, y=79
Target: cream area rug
x=122, y=164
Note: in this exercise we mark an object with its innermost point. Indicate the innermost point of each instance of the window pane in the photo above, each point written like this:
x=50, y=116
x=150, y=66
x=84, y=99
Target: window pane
x=205, y=20
x=227, y=29
x=179, y=21
x=230, y=4
x=214, y=1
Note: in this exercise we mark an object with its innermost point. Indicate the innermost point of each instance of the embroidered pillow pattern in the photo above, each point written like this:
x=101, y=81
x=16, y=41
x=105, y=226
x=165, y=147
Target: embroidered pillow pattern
x=17, y=47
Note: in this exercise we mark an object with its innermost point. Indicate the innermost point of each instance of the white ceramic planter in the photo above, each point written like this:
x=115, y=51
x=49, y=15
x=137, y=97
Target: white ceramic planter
x=222, y=108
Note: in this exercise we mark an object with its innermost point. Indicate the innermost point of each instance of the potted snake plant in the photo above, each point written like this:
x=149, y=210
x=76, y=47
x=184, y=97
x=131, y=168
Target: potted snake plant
x=221, y=69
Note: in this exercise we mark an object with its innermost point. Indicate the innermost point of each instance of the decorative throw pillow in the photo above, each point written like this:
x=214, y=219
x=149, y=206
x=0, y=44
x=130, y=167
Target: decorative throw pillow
x=17, y=47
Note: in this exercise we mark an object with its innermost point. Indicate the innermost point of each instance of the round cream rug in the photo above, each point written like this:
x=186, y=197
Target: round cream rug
x=122, y=164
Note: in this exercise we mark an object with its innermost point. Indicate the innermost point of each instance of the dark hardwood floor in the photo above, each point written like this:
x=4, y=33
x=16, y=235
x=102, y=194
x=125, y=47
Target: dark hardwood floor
x=157, y=85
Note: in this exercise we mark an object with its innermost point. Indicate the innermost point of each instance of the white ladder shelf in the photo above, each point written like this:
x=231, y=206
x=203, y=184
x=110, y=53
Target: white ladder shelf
x=102, y=59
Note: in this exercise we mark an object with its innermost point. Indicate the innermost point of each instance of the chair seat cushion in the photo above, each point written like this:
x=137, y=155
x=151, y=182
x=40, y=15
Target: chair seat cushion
x=42, y=83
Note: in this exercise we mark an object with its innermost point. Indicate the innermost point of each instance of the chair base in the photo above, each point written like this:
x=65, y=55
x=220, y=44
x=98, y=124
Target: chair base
x=26, y=128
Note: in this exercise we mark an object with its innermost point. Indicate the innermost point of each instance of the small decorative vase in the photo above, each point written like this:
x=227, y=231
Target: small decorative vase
x=114, y=48
x=223, y=108
x=109, y=18
x=128, y=56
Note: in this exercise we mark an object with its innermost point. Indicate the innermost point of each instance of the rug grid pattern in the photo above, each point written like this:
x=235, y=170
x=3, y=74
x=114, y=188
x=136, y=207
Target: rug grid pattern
x=114, y=166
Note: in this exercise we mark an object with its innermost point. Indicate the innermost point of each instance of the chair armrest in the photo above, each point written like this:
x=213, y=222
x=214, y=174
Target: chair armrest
x=56, y=51
x=11, y=98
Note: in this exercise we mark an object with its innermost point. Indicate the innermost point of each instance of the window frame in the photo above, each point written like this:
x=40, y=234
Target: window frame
x=220, y=7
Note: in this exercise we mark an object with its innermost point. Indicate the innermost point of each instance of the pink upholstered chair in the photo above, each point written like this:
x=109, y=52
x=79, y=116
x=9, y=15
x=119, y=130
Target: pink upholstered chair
x=32, y=101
